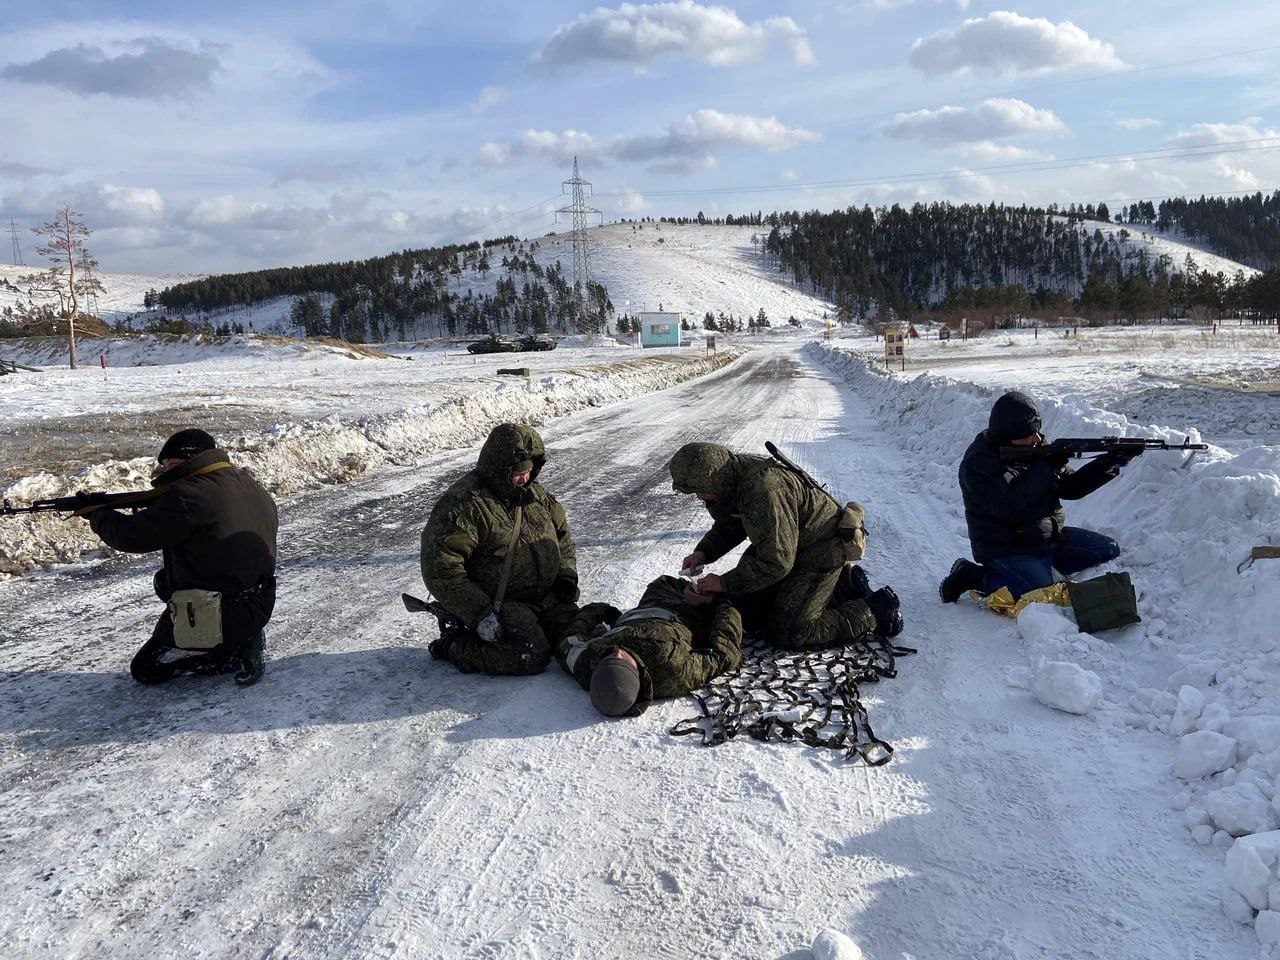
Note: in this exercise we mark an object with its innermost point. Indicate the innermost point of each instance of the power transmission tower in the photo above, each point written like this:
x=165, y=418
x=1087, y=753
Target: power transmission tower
x=17, y=247
x=580, y=214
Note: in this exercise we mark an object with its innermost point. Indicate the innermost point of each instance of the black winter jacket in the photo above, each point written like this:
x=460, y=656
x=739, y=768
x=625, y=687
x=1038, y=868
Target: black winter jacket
x=217, y=529
x=1016, y=508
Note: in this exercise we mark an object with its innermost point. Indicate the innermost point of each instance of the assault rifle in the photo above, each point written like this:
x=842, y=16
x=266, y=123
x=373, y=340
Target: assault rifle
x=799, y=471
x=81, y=504
x=417, y=605
x=1076, y=447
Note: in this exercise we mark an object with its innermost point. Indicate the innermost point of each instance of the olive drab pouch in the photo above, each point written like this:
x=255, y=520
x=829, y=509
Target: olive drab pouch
x=1104, y=603
x=851, y=528
x=197, y=619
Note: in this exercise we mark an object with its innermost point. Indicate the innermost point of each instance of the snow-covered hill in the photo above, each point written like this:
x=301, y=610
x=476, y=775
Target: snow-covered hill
x=123, y=292
x=1157, y=244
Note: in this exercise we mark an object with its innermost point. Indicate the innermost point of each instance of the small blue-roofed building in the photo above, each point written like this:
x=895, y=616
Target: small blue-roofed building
x=660, y=329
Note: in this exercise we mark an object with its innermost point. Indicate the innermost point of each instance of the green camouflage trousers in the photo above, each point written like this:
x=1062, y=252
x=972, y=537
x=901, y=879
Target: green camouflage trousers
x=804, y=610
x=529, y=635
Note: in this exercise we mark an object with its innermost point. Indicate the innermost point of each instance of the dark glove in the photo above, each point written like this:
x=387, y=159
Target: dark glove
x=566, y=590
x=1120, y=458
x=1057, y=458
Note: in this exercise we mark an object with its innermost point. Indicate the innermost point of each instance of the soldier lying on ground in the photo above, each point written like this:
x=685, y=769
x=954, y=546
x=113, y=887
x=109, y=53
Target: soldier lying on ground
x=661, y=647
x=497, y=554
x=792, y=582
x=217, y=528
x=1017, y=527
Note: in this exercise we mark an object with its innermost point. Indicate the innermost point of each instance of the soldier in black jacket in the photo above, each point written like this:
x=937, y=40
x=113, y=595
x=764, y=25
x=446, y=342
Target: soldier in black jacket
x=217, y=528
x=1017, y=528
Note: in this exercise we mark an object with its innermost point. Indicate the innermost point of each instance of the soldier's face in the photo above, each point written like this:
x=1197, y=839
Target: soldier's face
x=1032, y=441
x=521, y=478
x=706, y=497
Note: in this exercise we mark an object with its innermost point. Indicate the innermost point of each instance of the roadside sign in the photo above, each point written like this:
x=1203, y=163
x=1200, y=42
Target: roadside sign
x=895, y=347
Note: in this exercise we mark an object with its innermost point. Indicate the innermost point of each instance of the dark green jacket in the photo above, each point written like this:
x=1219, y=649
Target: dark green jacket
x=467, y=534
x=791, y=527
x=217, y=529
x=679, y=648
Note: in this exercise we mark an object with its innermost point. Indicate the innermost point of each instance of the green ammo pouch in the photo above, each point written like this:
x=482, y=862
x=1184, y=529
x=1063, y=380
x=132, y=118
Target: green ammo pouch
x=1104, y=603
x=851, y=528
x=197, y=619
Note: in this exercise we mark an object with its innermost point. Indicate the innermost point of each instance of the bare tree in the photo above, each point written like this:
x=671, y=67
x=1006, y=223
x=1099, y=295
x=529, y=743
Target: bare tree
x=71, y=278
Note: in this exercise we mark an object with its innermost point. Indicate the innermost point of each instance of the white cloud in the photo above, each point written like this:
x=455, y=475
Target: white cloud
x=488, y=98
x=134, y=205
x=638, y=34
x=992, y=119
x=988, y=153
x=547, y=145
x=686, y=145
x=148, y=68
x=1010, y=43
x=1213, y=134
x=787, y=175
x=1138, y=123
x=631, y=201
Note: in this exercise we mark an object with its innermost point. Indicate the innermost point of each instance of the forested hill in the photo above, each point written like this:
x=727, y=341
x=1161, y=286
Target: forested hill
x=924, y=256
x=1242, y=228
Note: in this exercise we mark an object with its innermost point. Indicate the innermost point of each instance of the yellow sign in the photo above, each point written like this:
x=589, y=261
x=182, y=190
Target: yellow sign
x=895, y=346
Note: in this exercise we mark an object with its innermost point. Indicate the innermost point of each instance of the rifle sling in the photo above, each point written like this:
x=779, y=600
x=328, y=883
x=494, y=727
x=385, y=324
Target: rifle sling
x=146, y=496
x=505, y=577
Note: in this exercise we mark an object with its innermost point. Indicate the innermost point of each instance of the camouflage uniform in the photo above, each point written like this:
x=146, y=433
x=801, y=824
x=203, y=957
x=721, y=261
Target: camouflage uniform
x=786, y=580
x=661, y=632
x=464, y=544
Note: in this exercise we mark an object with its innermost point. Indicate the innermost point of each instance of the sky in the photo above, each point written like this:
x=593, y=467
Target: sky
x=199, y=138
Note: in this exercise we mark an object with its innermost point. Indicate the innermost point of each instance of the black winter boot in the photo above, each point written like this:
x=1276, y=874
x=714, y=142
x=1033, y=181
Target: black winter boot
x=854, y=584
x=252, y=661
x=964, y=575
x=885, y=607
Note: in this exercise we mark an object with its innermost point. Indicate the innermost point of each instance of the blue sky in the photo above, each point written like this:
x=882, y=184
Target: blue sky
x=240, y=135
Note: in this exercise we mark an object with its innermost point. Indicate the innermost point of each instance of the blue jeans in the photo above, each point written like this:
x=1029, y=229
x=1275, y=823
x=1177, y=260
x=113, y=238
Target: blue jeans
x=1076, y=550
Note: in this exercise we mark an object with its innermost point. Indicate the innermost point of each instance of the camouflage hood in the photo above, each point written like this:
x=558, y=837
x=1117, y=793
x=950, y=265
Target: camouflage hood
x=511, y=447
x=703, y=468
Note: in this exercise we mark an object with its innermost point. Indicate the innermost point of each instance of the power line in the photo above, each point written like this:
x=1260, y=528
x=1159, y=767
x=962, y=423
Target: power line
x=1026, y=166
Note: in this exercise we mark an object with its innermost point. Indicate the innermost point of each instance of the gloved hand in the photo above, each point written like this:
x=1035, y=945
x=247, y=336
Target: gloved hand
x=566, y=590
x=1122, y=457
x=1058, y=459
x=489, y=629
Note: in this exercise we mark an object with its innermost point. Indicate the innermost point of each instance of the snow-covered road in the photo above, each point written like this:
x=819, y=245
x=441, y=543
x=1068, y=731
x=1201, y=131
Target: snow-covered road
x=364, y=801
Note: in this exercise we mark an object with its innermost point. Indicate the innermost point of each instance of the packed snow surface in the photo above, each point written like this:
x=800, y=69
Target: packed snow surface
x=367, y=801
x=1201, y=668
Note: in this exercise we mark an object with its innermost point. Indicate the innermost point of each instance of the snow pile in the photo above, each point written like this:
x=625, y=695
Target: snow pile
x=1066, y=686
x=834, y=945
x=298, y=456
x=1202, y=667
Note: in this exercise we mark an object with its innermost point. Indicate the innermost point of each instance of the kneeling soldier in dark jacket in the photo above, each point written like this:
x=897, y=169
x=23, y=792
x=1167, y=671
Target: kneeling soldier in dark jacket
x=662, y=647
x=1017, y=528
x=217, y=528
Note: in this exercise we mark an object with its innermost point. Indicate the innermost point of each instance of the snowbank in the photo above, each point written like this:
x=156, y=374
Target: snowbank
x=1202, y=667
x=298, y=456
